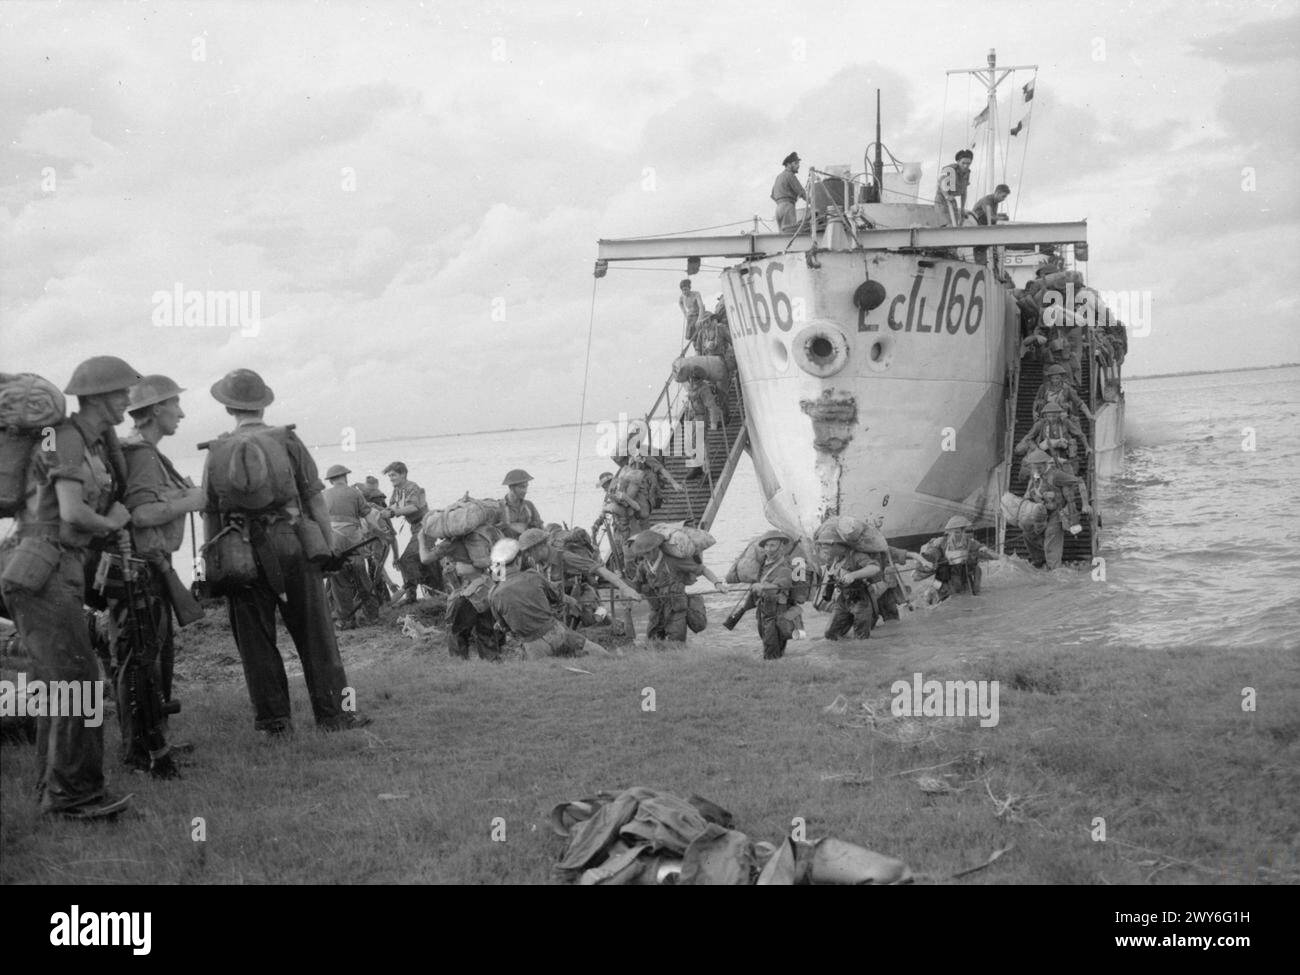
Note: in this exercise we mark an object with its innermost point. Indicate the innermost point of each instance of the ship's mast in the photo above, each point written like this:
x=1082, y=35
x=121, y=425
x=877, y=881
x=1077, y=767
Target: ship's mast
x=990, y=77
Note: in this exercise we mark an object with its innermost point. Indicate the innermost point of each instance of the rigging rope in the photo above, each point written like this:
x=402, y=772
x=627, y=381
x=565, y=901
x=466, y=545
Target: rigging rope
x=943, y=123
x=1024, y=152
x=582, y=409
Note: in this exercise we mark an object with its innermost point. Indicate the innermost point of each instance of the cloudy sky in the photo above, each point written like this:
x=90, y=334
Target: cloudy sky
x=413, y=191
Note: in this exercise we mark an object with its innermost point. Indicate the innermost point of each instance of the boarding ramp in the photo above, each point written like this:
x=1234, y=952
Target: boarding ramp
x=1027, y=380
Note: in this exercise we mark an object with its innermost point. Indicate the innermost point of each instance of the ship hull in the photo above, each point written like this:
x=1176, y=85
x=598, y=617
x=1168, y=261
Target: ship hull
x=875, y=384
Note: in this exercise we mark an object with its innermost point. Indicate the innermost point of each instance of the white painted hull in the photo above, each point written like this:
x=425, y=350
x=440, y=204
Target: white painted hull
x=897, y=410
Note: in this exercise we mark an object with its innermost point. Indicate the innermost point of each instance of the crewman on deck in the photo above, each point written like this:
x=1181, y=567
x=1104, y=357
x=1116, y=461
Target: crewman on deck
x=519, y=513
x=1054, y=390
x=786, y=192
x=524, y=605
x=70, y=500
x=692, y=306
x=1058, y=435
x=407, y=501
x=159, y=497
x=262, y=486
x=986, y=207
x=350, y=588
x=954, y=179
x=956, y=556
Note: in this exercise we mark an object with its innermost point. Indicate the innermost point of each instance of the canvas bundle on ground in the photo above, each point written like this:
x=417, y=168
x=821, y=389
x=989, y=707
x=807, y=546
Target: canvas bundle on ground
x=30, y=407
x=683, y=542
x=461, y=518
x=710, y=367
x=644, y=836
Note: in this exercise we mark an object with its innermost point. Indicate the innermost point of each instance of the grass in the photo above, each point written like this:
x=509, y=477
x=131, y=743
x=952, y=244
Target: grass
x=1192, y=789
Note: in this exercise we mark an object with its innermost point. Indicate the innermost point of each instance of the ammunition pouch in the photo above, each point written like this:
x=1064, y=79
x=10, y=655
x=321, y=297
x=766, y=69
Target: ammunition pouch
x=229, y=563
x=29, y=565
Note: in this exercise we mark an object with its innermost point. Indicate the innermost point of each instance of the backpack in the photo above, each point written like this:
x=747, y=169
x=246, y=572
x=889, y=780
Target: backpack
x=29, y=407
x=250, y=470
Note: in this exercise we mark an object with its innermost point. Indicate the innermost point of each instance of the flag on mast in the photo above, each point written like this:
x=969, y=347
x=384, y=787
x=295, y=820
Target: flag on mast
x=983, y=116
x=1028, y=89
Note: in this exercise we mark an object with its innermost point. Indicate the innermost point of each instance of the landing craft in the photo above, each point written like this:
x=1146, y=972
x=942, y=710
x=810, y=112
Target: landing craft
x=878, y=355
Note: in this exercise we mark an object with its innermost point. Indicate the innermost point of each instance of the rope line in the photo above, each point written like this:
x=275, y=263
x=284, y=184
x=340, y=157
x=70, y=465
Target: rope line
x=582, y=409
x=1024, y=152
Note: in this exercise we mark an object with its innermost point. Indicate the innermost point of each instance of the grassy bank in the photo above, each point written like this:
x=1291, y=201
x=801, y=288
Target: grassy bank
x=1191, y=788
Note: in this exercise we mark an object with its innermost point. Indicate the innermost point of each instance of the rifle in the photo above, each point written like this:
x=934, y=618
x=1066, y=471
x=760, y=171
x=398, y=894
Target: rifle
x=830, y=586
x=139, y=680
x=337, y=559
x=898, y=585
x=740, y=609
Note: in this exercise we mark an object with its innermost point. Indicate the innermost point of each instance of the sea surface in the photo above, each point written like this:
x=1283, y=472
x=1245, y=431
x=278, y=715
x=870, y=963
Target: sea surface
x=1200, y=538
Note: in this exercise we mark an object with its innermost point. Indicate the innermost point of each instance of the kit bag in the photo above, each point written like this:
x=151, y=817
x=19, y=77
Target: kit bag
x=30, y=407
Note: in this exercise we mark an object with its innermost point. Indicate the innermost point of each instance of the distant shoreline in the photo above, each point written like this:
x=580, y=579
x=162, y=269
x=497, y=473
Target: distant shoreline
x=1208, y=372
x=567, y=426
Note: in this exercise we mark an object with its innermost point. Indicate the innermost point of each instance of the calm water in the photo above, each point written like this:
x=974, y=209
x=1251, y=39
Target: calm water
x=1201, y=537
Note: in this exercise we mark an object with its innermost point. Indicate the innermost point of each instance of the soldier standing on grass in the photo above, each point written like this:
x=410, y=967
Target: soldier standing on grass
x=261, y=485
x=407, y=502
x=159, y=498
x=69, y=502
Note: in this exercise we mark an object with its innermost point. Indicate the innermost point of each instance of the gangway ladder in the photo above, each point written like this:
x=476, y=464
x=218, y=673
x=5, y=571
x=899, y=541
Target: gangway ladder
x=1027, y=378
x=701, y=496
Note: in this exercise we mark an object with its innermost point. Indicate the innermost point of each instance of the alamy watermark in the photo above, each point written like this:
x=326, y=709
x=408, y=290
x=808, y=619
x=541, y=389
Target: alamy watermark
x=1100, y=309
x=179, y=308
x=658, y=436
x=22, y=698
x=946, y=699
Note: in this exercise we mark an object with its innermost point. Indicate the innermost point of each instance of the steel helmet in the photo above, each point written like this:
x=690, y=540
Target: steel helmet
x=775, y=535
x=152, y=390
x=1055, y=369
x=1038, y=456
x=517, y=476
x=956, y=522
x=101, y=374
x=531, y=537
x=1053, y=408
x=338, y=470
x=242, y=389
x=604, y=479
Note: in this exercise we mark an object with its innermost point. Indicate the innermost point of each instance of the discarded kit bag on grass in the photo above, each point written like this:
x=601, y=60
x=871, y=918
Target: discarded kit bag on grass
x=645, y=836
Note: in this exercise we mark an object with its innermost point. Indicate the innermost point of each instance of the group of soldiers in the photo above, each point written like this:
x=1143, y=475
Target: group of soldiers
x=99, y=508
